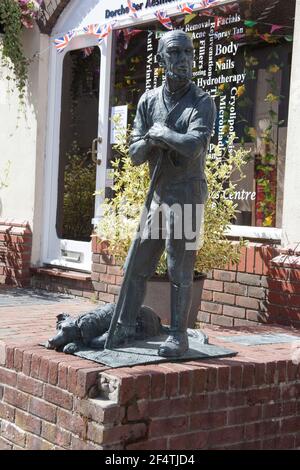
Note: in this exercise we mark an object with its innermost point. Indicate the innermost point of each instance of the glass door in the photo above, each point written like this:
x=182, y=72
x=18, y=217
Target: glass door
x=76, y=151
x=77, y=160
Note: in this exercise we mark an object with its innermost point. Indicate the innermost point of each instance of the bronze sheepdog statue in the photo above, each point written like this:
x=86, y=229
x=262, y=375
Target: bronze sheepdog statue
x=90, y=329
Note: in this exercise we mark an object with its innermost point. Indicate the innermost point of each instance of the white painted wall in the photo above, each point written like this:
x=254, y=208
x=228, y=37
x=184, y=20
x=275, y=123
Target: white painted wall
x=291, y=196
x=22, y=133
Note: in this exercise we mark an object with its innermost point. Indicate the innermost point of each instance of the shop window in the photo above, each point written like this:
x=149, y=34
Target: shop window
x=242, y=57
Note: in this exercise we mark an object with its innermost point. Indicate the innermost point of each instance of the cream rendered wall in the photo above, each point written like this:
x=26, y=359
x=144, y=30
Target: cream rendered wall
x=22, y=134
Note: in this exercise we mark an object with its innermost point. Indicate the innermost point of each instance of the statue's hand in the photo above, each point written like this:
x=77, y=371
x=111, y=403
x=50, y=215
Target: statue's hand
x=159, y=144
x=157, y=132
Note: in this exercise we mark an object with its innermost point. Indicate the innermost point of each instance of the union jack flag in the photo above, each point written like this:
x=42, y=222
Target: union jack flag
x=164, y=19
x=87, y=51
x=207, y=3
x=93, y=29
x=231, y=8
x=186, y=7
x=105, y=30
x=62, y=42
x=218, y=21
x=132, y=9
x=128, y=34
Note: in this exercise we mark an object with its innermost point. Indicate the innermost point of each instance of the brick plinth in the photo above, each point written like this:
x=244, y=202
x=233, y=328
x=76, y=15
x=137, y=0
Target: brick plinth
x=49, y=400
x=15, y=252
x=46, y=397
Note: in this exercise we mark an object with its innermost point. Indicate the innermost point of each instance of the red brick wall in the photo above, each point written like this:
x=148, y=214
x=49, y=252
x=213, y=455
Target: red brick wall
x=237, y=296
x=236, y=403
x=63, y=281
x=15, y=252
x=284, y=289
x=211, y=406
x=240, y=295
x=262, y=288
x=44, y=402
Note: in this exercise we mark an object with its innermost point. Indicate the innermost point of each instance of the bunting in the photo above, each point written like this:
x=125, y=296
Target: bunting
x=164, y=19
x=102, y=31
x=92, y=29
x=207, y=3
x=186, y=8
x=105, y=30
x=87, y=51
x=132, y=9
x=128, y=34
x=275, y=27
x=62, y=42
x=230, y=8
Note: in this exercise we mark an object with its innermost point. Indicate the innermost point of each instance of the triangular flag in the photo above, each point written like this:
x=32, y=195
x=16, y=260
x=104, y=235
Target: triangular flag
x=250, y=23
x=188, y=18
x=164, y=19
x=62, y=42
x=217, y=20
x=275, y=27
x=268, y=38
x=132, y=9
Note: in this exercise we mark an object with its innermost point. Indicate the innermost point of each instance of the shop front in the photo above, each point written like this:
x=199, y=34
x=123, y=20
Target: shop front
x=243, y=54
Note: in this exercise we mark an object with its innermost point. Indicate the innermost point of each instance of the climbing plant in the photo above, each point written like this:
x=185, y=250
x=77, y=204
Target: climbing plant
x=15, y=15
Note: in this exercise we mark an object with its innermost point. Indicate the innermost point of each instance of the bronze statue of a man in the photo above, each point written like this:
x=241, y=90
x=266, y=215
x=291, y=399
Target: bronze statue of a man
x=174, y=121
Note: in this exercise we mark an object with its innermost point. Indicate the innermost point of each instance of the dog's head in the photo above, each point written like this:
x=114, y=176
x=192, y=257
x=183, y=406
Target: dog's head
x=67, y=332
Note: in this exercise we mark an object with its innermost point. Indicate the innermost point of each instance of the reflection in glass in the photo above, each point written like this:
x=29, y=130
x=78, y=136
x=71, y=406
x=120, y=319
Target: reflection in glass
x=79, y=126
x=242, y=58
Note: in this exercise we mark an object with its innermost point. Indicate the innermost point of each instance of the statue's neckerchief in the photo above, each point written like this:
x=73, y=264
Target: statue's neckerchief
x=166, y=114
x=172, y=98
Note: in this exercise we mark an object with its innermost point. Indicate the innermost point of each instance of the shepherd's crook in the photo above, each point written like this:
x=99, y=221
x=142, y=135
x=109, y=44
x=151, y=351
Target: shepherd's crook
x=132, y=254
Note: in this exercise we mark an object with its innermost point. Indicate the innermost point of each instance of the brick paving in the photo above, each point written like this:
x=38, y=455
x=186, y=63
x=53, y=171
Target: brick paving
x=30, y=315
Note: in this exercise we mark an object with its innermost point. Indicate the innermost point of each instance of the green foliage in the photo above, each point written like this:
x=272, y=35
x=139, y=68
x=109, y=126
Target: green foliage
x=79, y=184
x=12, y=21
x=267, y=163
x=121, y=213
x=217, y=251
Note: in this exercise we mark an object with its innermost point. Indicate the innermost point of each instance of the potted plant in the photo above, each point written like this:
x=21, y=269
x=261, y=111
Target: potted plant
x=121, y=215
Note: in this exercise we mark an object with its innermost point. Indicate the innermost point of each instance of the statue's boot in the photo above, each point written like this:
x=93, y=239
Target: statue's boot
x=125, y=331
x=177, y=342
